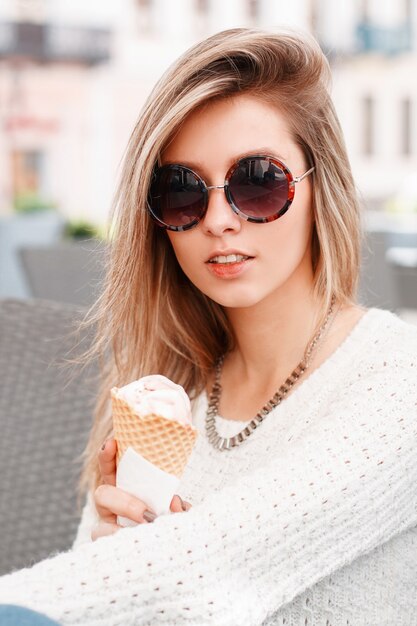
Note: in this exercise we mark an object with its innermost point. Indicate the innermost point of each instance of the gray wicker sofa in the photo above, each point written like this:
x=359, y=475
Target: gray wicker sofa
x=45, y=415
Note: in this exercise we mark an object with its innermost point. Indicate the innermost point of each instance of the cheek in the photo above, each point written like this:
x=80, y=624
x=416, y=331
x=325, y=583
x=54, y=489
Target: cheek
x=176, y=243
x=184, y=249
x=288, y=247
x=292, y=233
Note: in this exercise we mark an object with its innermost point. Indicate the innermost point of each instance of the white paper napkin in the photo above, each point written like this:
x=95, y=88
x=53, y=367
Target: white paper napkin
x=146, y=481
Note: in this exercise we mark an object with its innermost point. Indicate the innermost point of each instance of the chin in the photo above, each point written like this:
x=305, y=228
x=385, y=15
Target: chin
x=235, y=300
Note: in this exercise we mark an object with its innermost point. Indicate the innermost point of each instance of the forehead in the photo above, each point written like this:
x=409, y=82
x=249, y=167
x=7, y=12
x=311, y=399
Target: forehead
x=228, y=128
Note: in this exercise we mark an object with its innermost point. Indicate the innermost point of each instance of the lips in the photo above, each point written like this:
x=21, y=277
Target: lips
x=229, y=264
x=228, y=257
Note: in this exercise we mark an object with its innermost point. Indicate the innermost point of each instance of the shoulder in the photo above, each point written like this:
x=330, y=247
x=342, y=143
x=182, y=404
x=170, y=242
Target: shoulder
x=385, y=334
x=378, y=347
x=380, y=333
x=374, y=372
x=380, y=373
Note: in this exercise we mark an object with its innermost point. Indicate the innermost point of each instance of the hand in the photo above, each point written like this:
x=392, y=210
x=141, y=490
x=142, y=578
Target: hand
x=110, y=501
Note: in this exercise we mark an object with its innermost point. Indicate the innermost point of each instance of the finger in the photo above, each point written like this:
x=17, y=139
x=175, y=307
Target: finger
x=105, y=514
x=103, y=529
x=149, y=516
x=111, y=501
x=176, y=504
x=107, y=461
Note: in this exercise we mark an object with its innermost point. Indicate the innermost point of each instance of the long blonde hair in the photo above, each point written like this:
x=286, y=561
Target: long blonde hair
x=146, y=316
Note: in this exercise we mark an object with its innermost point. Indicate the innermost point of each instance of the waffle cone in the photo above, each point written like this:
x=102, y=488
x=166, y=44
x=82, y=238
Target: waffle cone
x=165, y=443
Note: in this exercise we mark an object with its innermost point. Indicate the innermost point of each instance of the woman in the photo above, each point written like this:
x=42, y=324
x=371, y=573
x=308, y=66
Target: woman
x=233, y=272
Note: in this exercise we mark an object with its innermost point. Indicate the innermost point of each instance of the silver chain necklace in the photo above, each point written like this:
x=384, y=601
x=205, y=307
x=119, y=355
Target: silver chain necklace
x=227, y=443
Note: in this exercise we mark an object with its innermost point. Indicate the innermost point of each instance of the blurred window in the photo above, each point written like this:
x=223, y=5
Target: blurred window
x=314, y=17
x=402, y=9
x=145, y=15
x=202, y=6
x=406, y=121
x=364, y=10
x=30, y=10
x=28, y=177
x=253, y=9
x=408, y=9
x=368, y=115
x=201, y=16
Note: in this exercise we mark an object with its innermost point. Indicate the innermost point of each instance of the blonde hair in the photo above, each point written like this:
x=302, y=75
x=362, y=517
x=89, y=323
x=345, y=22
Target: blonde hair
x=145, y=318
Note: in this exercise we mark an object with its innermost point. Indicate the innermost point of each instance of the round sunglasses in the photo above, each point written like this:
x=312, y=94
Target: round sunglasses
x=258, y=188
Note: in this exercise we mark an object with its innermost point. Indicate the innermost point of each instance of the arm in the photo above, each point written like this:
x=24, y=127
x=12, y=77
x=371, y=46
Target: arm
x=345, y=487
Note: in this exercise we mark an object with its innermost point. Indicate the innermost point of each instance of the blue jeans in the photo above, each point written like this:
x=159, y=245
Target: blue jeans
x=11, y=615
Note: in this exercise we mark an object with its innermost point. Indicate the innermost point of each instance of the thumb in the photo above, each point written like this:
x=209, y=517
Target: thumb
x=177, y=505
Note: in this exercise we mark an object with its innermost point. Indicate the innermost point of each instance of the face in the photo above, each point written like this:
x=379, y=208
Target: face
x=234, y=262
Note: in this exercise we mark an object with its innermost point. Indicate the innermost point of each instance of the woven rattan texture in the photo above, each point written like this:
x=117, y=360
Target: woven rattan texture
x=163, y=442
x=44, y=420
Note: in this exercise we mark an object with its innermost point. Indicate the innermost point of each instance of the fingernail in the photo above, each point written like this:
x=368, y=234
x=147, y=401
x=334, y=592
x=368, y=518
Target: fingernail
x=149, y=516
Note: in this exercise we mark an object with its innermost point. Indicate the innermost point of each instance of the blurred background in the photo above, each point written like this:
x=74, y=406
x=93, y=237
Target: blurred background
x=74, y=75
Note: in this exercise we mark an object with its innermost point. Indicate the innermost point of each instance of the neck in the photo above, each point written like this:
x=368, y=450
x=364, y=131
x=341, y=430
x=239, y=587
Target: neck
x=271, y=337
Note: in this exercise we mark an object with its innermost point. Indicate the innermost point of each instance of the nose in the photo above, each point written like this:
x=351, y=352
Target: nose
x=220, y=217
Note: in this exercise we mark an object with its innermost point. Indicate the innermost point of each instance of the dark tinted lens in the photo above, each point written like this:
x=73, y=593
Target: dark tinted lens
x=258, y=187
x=176, y=196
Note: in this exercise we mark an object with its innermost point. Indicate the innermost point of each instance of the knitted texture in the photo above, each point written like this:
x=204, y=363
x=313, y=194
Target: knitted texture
x=311, y=522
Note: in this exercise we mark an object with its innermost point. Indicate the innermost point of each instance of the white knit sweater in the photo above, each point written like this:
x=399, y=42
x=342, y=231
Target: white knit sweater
x=311, y=522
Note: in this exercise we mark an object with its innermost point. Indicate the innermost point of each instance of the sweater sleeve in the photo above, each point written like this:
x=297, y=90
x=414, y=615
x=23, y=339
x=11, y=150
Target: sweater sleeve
x=88, y=518
x=342, y=487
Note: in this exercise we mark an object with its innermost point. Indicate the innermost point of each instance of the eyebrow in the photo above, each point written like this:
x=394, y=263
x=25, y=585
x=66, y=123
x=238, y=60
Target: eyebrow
x=262, y=151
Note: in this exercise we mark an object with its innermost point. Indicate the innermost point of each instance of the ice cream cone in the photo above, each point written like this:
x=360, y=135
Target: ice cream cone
x=165, y=443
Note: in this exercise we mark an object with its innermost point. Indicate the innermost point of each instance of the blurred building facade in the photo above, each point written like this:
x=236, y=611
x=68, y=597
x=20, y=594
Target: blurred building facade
x=74, y=75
